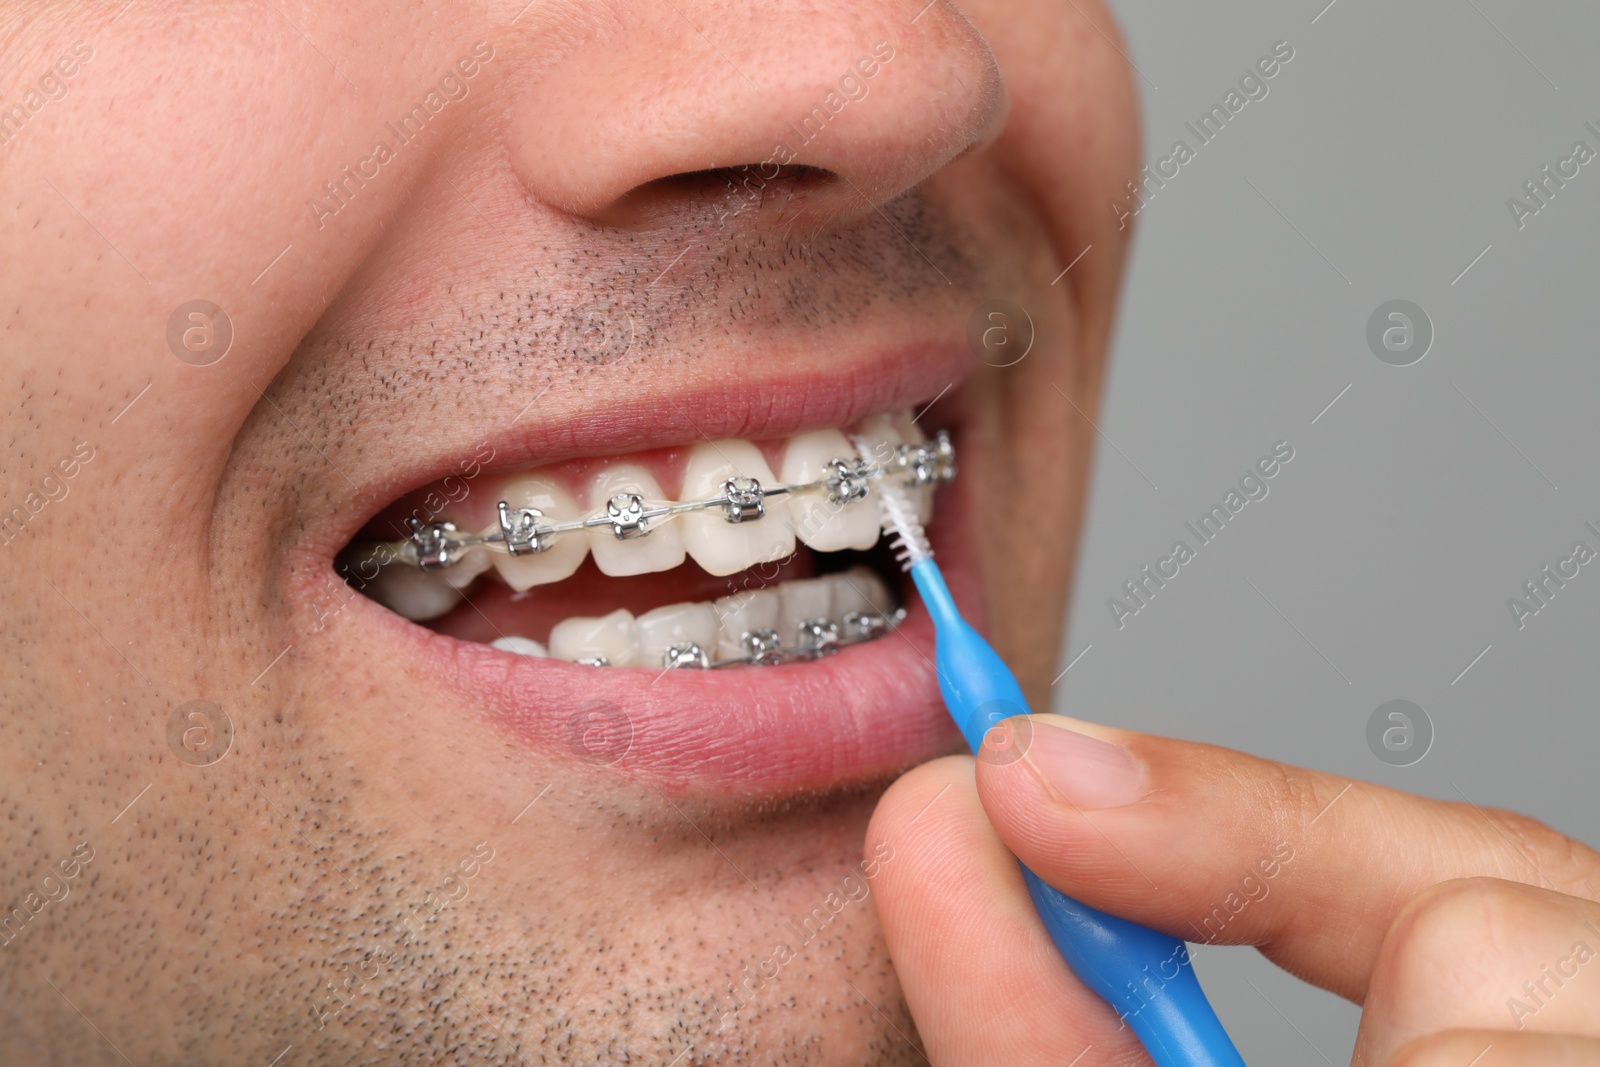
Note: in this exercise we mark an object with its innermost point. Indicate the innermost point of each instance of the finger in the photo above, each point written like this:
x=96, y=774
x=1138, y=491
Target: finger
x=1217, y=846
x=1497, y=1048
x=978, y=970
x=1483, y=953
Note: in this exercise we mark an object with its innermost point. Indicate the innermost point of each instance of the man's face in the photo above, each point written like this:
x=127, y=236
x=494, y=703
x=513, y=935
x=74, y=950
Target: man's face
x=279, y=275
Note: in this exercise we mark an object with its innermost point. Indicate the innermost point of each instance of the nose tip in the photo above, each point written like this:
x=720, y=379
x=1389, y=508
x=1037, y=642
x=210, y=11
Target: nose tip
x=846, y=107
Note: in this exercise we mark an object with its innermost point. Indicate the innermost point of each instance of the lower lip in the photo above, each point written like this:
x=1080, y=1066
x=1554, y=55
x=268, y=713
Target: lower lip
x=861, y=715
x=853, y=716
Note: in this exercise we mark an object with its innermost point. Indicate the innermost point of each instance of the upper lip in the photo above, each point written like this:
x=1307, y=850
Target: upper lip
x=812, y=725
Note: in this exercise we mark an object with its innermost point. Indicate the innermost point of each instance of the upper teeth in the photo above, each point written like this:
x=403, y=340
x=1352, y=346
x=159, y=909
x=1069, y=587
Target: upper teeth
x=733, y=513
x=822, y=496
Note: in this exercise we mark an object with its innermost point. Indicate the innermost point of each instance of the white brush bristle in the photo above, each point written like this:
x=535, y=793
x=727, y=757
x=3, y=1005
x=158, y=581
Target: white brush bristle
x=899, y=518
x=906, y=535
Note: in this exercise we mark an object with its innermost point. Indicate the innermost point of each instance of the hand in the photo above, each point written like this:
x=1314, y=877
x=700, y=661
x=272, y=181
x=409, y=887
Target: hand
x=1457, y=928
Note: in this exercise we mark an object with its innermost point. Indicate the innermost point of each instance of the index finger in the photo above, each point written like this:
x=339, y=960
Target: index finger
x=1217, y=846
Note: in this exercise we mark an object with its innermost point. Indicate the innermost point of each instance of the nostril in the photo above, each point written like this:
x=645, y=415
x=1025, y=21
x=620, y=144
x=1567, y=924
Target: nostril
x=723, y=191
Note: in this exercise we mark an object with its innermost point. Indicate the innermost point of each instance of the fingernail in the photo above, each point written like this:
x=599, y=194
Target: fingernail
x=1085, y=771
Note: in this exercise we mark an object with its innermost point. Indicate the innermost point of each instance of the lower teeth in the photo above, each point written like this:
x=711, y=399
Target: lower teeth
x=763, y=649
x=795, y=621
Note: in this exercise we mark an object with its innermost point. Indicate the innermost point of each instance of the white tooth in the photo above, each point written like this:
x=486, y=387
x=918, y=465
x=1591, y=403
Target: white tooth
x=659, y=550
x=522, y=646
x=881, y=438
x=885, y=433
x=802, y=599
x=473, y=562
x=613, y=636
x=905, y=424
x=752, y=609
x=413, y=593
x=720, y=546
x=922, y=498
x=825, y=526
x=566, y=551
x=859, y=589
x=674, y=624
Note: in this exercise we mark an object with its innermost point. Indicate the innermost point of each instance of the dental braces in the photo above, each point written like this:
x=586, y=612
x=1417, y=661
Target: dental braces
x=524, y=531
x=763, y=648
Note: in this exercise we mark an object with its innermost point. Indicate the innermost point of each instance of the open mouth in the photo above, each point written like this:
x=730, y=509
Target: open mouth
x=717, y=615
x=724, y=554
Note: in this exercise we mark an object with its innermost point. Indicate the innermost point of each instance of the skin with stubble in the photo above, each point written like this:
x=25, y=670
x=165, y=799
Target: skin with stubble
x=270, y=271
x=361, y=878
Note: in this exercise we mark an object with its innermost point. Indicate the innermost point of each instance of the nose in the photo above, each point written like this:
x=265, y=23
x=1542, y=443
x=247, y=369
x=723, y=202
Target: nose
x=850, y=101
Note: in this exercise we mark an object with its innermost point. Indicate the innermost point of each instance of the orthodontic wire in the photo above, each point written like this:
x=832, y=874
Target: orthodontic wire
x=437, y=545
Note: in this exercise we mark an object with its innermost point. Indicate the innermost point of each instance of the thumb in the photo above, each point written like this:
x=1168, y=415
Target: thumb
x=1216, y=846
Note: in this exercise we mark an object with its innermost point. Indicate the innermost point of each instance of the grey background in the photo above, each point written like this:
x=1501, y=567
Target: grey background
x=1421, y=500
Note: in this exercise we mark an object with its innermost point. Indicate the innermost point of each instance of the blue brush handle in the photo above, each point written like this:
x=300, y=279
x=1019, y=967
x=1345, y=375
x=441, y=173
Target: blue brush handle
x=1144, y=975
